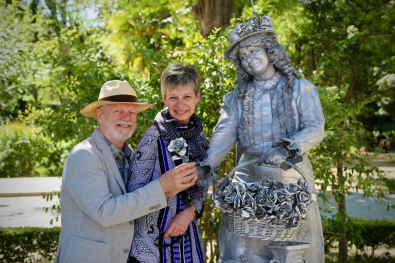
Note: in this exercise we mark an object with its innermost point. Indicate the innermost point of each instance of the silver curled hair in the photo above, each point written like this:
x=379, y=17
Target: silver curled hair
x=176, y=74
x=281, y=61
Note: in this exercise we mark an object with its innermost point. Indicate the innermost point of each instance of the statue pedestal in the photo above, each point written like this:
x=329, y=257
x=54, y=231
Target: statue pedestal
x=288, y=252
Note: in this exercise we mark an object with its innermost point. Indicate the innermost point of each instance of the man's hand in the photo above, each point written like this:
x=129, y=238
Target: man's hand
x=179, y=224
x=178, y=179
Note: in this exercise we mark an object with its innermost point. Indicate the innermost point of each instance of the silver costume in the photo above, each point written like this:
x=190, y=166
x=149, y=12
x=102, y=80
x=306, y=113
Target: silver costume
x=253, y=122
x=310, y=131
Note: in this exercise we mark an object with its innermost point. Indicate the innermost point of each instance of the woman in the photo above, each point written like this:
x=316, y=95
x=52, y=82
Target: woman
x=273, y=114
x=171, y=235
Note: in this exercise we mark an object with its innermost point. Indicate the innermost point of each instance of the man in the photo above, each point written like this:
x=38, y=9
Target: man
x=97, y=212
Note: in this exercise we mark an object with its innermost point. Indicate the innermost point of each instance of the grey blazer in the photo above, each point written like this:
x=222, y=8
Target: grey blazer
x=97, y=213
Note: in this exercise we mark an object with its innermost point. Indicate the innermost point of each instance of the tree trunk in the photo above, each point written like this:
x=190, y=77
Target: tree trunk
x=51, y=4
x=343, y=248
x=213, y=13
x=313, y=67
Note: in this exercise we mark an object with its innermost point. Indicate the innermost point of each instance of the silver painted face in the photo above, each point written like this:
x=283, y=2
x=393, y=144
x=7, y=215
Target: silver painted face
x=256, y=62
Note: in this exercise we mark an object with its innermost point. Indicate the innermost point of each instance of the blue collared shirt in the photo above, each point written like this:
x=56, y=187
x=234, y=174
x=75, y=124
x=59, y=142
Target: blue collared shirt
x=122, y=158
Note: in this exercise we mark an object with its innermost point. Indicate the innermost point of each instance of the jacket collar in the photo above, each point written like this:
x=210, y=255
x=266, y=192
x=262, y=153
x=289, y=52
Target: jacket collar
x=100, y=143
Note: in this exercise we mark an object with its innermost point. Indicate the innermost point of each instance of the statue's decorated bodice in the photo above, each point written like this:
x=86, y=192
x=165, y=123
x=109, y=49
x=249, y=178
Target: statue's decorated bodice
x=253, y=120
x=263, y=130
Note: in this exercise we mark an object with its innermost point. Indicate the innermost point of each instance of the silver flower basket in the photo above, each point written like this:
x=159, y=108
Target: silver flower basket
x=267, y=210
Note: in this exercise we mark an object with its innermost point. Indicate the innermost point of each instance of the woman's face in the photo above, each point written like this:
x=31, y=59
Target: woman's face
x=181, y=102
x=256, y=62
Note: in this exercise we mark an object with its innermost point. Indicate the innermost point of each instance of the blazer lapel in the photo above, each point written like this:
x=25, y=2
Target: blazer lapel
x=103, y=147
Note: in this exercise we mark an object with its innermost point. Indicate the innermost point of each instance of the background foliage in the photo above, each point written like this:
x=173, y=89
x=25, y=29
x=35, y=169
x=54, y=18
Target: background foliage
x=28, y=244
x=366, y=235
x=25, y=152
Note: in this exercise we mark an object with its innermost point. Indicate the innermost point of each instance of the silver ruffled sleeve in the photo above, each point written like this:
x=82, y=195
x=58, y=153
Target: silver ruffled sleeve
x=311, y=117
x=225, y=134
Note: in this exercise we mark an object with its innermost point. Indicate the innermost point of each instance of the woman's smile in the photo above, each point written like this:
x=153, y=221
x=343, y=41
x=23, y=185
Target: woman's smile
x=181, y=102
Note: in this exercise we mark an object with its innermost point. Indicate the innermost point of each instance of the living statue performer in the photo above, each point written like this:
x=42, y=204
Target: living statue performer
x=276, y=115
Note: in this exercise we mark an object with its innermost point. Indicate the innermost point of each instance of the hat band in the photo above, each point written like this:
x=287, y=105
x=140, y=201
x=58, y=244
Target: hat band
x=120, y=98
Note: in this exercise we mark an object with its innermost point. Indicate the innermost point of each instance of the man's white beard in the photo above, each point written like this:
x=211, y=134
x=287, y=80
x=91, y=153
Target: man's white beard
x=119, y=135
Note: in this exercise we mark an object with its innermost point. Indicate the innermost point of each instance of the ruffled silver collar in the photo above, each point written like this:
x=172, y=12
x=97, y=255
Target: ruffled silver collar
x=267, y=84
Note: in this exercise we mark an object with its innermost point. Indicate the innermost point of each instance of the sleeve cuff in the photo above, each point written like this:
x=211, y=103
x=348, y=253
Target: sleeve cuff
x=159, y=190
x=292, y=144
x=210, y=163
x=210, y=178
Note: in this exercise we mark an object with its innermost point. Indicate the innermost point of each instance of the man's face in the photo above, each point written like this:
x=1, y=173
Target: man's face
x=256, y=62
x=117, y=121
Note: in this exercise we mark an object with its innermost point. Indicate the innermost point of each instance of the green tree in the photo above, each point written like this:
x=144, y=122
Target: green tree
x=346, y=47
x=25, y=152
x=23, y=51
x=58, y=68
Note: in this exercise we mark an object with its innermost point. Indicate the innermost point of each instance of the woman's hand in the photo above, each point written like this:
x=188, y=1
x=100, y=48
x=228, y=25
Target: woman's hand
x=179, y=224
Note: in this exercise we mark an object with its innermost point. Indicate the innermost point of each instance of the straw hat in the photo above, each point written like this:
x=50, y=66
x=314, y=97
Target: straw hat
x=253, y=27
x=114, y=92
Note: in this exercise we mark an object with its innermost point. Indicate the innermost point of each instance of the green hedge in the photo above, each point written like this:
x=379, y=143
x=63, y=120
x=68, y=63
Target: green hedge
x=363, y=233
x=19, y=243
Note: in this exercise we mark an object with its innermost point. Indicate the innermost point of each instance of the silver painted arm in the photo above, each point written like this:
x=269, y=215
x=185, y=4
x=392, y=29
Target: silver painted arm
x=225, y=134
x=312, y=120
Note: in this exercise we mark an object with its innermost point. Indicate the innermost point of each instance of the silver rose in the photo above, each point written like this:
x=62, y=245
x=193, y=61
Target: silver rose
x=260, y=213
x=294, y=188
x=217, y=195
x=248, y=201
x=271, y=197
x=303, y=197
x=229, y=198
x=229, y=189
x=253, y=187
x=224, y=207
x=305, y=186
x=260, y=199
x=179, y=147
x=284, y=196
x=266, y=183
x=279, y=185
x=284, y=211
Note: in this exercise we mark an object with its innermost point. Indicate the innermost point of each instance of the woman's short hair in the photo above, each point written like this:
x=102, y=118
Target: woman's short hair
x=176, y=74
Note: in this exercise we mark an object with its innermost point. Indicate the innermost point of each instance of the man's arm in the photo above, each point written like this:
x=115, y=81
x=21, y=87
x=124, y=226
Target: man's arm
x=85, y=179
x=144, y=168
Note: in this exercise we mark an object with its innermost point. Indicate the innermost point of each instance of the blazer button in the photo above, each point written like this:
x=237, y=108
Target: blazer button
x=126, y=250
